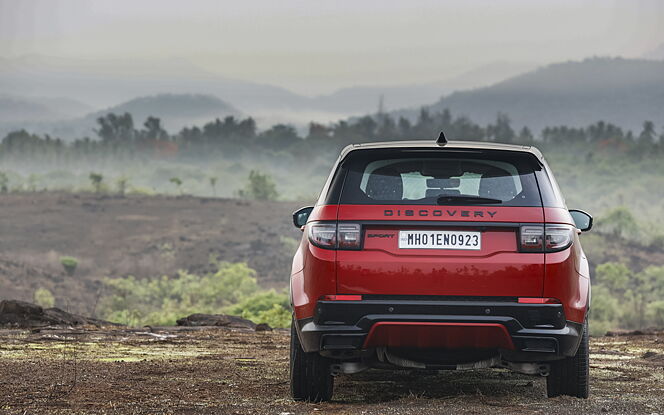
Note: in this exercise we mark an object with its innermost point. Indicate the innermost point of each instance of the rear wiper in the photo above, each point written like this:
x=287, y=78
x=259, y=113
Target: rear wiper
x=461, y=199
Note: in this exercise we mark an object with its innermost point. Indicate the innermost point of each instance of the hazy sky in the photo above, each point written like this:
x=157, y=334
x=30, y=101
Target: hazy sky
x=315, y=46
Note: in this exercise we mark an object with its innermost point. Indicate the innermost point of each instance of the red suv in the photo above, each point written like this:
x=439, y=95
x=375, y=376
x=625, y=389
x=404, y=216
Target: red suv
x=437, y=255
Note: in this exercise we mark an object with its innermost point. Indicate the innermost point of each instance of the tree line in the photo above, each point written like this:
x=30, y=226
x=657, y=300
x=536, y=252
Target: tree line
x=118, y=135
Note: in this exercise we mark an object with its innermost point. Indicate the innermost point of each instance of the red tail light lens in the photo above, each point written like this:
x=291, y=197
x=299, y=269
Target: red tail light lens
x=548, y=238
x=558, y=237
x=333, y=236
x=349, y=235
x=323, y=235
x=532, y=238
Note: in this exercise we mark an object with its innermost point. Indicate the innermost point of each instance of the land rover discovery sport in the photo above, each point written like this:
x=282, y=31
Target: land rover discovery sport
x=437, y=255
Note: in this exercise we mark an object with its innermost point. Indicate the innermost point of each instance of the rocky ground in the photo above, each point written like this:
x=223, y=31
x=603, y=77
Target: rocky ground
x=205, y=370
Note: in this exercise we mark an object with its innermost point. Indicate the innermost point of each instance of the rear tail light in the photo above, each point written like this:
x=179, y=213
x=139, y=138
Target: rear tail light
x=558, y=237
x=333, y=236
x=548, y=238
x=348, y=235
x=323, y=235
x=532, y=238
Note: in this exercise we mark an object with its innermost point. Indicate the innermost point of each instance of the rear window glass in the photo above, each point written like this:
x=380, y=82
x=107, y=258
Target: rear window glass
x=394, y=177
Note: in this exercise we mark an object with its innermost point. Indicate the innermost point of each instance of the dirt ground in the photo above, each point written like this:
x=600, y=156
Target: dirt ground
x=227, y=371
x=137, y=235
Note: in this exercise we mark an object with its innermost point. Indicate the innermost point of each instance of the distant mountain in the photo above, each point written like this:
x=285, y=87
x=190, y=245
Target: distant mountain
x=102, y=83
x=622, y=91
x=174, y=110
x=363, y=99
x=106, y=82
x=15, y=109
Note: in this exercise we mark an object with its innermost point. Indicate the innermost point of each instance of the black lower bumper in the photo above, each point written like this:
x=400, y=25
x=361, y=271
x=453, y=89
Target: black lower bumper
x=539, y=332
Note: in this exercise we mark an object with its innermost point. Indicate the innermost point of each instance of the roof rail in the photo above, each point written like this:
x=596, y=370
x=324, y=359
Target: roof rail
x=442, y=140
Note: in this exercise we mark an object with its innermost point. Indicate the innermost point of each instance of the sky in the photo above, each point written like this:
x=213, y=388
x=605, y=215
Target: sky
x=316, y=47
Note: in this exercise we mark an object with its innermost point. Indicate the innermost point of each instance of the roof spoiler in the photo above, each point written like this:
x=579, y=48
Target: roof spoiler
x=442, y=140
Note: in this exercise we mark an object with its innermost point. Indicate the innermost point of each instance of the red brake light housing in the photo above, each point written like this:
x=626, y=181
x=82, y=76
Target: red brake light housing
x=552, y=237
x=330, y=235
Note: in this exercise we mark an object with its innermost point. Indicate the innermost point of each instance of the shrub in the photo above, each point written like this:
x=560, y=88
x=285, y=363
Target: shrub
x=289, y=244
x=260, y=187
x=69, y=264
x=44, y=298
x=32, y=182
x=657, y=242
x=96, y=179
x=122, y=183
x=624, y=299
x=163, y=300
x=264, y=307
x=656, y=312
x=620, y=223
x=142, y=191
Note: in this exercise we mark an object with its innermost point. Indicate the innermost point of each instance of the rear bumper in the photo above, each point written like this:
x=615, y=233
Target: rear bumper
x=535, y=332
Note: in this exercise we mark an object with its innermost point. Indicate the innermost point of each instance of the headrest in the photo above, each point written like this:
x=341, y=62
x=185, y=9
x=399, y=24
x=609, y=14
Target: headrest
x=497, y=184
x=385, y=184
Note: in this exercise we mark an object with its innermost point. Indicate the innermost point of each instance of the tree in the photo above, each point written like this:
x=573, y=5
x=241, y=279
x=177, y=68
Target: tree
x=122, y=182
x=366, y=127
x=96, y=179
x=525, y=136
x=502, y=130
x=213, y=184
x=404, y=126
x=464, y=129
x=647, y=136
x=318, y=132
x=279, y=137
x=177, y=182
x=153, y=129
x=116, y=128
x=4, y=182
x=260, y=187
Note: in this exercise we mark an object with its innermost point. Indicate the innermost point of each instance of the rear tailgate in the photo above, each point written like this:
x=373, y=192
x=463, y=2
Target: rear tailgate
x=494, y=268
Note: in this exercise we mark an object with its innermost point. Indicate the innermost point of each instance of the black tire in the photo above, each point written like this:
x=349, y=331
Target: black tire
x=571, y=376
x=310, y=376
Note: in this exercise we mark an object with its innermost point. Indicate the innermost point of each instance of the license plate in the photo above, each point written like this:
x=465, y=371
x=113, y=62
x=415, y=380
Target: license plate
x=464, y=240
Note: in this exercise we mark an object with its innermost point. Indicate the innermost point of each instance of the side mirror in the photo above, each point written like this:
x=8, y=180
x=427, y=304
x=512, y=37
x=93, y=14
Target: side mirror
x=582, y=220
x=301, y=215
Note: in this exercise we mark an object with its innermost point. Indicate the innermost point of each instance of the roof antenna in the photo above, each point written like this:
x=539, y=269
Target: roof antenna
x=442, y=140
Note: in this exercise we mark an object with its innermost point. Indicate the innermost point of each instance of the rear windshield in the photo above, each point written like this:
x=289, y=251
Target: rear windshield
x=416, y=177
